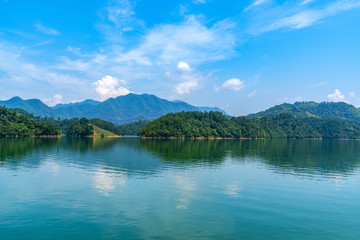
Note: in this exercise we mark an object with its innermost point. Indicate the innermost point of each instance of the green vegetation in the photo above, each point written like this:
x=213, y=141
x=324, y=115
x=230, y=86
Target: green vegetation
x=102, y=132
x=133, y=129
x=14, y=124
x=78, y=127
x=339, y=110
x=217, y=125
x=105, y=125
x=18, y=122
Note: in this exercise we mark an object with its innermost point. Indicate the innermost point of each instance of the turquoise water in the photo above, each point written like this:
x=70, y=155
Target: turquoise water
x=130, y=188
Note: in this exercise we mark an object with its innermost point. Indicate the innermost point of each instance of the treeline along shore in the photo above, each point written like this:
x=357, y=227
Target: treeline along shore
x=19, y=123
x=325, y=121
x=209, y=125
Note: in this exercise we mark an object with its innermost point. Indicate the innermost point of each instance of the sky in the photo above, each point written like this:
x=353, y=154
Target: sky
x=242, y=56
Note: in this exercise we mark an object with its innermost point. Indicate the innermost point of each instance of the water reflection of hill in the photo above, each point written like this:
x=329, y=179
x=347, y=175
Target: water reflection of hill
x=108, y=154
x=307, y=156
x=188, y=151
x=15, y=150
x=136, y=155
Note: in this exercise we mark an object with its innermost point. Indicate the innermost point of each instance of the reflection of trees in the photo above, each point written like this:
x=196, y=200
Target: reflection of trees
x=134, y=154
x=326, y=156
x=307, y=156
x=15, y=149
x=188, y=151
x=87, y=144
x=113, y=154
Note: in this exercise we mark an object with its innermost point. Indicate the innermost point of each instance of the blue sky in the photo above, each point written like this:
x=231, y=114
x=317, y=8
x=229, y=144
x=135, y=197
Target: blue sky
x=242, y=56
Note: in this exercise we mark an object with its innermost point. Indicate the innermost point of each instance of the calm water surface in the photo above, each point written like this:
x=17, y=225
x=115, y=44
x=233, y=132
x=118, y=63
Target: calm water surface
x=129, y=188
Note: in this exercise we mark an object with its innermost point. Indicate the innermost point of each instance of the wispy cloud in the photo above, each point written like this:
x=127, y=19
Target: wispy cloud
x=24, y=73
x=56, y=99
x=201, y=1
x=119, y=18
x=193, y=41
x=74, y=50
x=170, y=47
x=255, y=4
x=294, y=16
x=306, y=2
x=290, y=100
x=46, y=30
x=320, y=84
x=190, y=40
x=252, y=94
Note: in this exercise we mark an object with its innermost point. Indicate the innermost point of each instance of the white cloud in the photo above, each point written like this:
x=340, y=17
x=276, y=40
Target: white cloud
x=190, y=79
x=234, y=84
x=46, y=30
x=255, y=4
x=252, y=94
x=187, y=87
x=56, y=99
x=352, y=94
x=109, y=87
x=337, y=96
x=183, y=66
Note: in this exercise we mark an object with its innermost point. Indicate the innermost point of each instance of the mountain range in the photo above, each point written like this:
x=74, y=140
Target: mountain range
x=134, y=107
x=119, y=110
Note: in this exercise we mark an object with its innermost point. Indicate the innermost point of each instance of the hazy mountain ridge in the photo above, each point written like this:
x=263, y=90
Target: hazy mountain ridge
x=120, y=110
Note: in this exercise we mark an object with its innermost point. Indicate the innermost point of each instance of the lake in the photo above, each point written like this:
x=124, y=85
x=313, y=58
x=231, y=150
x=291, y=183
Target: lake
x=128, y=188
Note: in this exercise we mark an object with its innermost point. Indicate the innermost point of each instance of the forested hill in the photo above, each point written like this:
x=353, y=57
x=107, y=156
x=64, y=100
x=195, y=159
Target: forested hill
x=312, y=109
x=217, y=125
x=15, y=124
x=18, y=122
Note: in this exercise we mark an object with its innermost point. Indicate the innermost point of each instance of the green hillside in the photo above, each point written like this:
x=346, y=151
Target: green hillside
x=133, y=129
x=102, y=132
x=217, y=125
x=15, y=124
x=312, y=109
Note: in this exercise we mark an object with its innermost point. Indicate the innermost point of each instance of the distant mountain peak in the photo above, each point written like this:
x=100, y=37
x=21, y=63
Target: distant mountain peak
x=16, y=98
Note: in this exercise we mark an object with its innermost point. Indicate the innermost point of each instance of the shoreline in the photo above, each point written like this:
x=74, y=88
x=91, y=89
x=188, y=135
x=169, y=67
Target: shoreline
x=220, y=138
